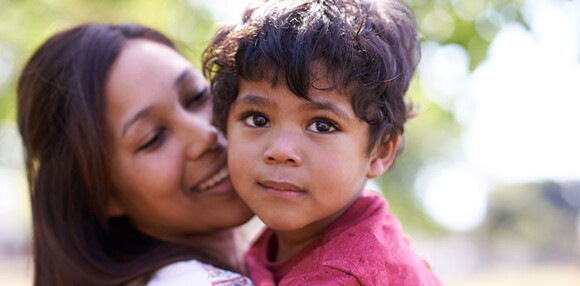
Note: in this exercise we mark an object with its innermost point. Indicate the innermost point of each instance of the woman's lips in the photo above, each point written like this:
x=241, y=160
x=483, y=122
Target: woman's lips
x=215, y=180
x=281, y=189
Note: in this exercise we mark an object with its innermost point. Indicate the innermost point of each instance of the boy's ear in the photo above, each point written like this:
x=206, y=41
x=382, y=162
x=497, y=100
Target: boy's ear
x=383, y=156
x=114, y=207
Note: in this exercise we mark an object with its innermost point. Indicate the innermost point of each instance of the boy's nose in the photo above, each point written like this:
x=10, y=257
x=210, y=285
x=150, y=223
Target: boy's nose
x=283, y=151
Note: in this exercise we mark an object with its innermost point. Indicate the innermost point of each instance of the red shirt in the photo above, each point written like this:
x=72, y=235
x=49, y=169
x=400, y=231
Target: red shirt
x=364, y=246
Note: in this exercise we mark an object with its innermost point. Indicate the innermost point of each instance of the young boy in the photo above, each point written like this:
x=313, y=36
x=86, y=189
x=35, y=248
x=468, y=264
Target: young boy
x=311, y=96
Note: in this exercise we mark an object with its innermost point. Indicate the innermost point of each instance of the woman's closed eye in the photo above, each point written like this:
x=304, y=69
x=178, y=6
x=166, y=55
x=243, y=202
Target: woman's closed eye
x=154, y=141
x=255, y=119
x=197, y=99
x=322, y=125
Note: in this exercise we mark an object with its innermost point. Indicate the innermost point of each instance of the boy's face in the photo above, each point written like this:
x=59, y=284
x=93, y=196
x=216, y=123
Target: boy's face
x=297, y=163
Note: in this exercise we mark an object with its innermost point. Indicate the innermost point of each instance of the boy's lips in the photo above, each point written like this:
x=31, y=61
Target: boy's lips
x=281, y=189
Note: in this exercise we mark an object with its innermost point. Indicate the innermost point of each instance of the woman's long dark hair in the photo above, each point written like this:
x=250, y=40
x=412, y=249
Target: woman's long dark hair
x=61, y=121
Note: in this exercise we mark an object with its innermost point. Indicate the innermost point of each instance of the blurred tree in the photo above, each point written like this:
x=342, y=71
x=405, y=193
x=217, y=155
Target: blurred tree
x=531, y=222
x=433, y=134
x=25, y=24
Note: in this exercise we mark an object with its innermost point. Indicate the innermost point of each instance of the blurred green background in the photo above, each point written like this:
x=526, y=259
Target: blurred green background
x=488, y=182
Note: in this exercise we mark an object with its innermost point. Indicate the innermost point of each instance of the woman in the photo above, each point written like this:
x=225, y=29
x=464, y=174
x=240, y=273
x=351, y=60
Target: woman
x=126, y=172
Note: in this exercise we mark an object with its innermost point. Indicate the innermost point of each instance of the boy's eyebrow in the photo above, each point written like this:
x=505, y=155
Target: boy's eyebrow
x=325, y=105
x=311, y=105
x=253, y=100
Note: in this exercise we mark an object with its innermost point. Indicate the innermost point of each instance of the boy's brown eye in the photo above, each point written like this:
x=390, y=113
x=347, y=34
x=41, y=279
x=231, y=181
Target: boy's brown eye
x=259, y=120
x=256, y=120
x=322, y=126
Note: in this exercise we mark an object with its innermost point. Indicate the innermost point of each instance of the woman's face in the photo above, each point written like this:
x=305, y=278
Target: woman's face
x=168, y=163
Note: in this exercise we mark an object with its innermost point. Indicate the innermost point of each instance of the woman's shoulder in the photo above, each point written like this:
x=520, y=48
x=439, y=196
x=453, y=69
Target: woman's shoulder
x=186, y=272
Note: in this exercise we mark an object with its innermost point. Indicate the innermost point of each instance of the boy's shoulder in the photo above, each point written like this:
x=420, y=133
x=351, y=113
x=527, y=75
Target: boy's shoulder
x=368, y=218
x=366, y=234
x=367, y=244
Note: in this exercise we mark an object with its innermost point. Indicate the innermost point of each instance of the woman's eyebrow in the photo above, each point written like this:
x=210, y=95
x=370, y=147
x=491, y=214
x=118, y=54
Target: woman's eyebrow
x=147, y=110
x=142, y=113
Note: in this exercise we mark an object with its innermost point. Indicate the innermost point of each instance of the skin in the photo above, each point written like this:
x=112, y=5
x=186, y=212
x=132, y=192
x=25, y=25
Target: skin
x=299, y=164
x=168, y=162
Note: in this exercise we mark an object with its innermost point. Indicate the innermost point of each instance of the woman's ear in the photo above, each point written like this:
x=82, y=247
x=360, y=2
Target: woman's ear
x=114, y=207
x=383, y=156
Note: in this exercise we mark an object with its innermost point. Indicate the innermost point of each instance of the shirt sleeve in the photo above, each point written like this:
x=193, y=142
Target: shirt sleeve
x=180, y=274
x=325, y=276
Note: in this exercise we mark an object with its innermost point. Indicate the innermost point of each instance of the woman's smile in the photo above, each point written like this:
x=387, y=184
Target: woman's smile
x=216, y=179
x=179, y=171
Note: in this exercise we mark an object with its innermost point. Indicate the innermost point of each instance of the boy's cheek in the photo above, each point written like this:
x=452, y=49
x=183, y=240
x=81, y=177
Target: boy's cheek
x=230, y=125
x=240, y=157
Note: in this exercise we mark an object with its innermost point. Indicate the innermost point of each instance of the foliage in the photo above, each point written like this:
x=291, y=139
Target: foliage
x=26, y=24
x=433, y=134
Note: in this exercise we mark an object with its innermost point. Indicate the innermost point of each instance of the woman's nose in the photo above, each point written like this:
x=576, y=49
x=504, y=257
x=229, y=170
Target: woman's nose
x=283, y=150
x=202, y=137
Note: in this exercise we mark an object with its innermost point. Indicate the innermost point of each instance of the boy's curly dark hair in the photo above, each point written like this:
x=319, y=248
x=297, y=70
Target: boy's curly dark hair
x=369, y=48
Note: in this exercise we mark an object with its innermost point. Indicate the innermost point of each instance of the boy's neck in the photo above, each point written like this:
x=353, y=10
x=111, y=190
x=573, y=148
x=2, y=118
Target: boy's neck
x=292, y=241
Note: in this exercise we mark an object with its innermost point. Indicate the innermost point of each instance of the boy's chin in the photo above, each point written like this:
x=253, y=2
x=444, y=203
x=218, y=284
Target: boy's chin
x=279, y=224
